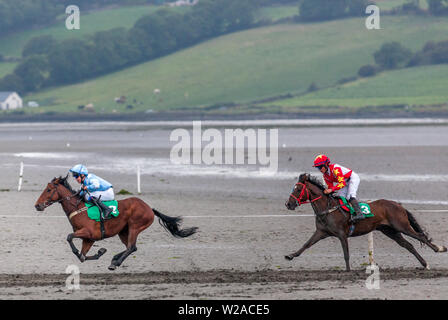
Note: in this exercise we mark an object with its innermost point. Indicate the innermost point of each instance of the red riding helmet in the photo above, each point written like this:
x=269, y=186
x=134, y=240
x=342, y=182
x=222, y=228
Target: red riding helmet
x=321, y=160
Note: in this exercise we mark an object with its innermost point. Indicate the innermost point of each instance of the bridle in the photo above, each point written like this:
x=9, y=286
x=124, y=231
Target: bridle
x=47, y=203
x=311, y=201
x=308, y=196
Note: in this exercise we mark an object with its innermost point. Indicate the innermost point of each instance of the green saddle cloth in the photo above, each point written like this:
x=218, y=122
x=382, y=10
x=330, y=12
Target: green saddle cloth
x=365, y=207
x=94, y=212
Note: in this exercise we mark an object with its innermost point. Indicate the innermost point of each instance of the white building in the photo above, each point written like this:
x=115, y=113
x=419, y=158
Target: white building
x=10, y=101
x=181, y=3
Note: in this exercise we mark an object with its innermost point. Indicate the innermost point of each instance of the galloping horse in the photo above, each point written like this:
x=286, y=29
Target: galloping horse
x=135, y=216
x=389, y=217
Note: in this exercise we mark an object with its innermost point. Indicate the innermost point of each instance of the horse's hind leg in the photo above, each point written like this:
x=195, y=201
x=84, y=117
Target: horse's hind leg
x=397, y=237
x=409, y=231
x=130, y=248
x=124, y=234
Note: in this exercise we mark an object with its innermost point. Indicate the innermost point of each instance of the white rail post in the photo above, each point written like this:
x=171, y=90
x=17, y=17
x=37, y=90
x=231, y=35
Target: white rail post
x=139, y=191
x=370, y=240
x=20, y=177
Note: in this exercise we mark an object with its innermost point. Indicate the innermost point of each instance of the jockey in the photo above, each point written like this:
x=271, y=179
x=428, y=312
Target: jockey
x=94, y=188
x=346, y=181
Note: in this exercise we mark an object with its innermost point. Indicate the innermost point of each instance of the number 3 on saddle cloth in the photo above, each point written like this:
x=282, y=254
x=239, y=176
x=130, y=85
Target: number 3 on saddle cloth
x=346, y=206
x=94, y=212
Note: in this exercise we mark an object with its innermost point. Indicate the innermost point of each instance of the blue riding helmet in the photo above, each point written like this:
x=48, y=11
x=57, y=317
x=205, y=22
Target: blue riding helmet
x=79, y=169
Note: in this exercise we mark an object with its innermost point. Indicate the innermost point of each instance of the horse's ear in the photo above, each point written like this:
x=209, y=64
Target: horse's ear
x=307, y=177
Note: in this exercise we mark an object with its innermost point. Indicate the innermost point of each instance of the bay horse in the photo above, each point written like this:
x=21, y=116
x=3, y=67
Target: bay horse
x=331, y=221
x=134, y=217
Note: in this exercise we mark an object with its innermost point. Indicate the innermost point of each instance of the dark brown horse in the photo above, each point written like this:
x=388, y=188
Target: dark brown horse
x=389, y=217
x=135, y=216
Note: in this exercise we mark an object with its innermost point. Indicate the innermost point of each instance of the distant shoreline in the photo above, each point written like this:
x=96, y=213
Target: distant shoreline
x=191, y=116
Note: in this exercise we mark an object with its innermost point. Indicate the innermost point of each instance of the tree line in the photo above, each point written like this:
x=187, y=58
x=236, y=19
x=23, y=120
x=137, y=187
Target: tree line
x=323, y=10
x=48, y=62
x=23, y=14
x=393, y=55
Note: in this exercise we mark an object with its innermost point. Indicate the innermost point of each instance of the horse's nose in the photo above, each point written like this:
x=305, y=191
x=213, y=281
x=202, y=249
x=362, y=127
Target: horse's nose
x=38, y=207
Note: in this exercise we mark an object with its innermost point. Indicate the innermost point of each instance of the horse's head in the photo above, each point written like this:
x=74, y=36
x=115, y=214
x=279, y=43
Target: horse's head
x=50, y=194
x=299, y=193
x=307, y=190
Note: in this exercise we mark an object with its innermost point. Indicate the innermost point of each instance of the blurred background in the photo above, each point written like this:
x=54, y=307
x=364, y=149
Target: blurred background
x=145, y=59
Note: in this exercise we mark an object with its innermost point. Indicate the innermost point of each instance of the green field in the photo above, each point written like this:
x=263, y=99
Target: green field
x=275, y=13
x=247, y=66
x=105, y=19
x=6, y=68
x=90, y=23
x=425, y=85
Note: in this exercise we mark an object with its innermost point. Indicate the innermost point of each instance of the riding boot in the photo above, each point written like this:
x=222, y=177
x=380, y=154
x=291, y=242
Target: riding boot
x=104, y=210
x=359, y=215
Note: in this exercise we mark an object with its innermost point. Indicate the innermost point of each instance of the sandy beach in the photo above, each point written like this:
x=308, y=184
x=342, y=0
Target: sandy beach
x=245, y=229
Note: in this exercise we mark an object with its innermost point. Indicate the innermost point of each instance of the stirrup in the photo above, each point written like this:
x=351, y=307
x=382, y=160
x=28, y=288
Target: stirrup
x=358, y=217
x=105, y=211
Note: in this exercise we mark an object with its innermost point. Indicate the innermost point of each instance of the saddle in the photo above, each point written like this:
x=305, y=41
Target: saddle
x=94, y=213
x=347, y=207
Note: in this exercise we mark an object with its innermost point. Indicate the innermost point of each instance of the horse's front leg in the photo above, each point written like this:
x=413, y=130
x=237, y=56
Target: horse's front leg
x=86, y=245
x=70, y=238
x=344, y=243
x=317, y=236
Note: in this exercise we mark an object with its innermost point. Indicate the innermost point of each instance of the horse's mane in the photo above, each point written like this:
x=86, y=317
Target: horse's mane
x=315, y=181
x=64, y=182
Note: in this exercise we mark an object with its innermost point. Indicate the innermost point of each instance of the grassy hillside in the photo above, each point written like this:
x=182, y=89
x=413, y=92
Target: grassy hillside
x=6, y=68
x=249, y=65
x=275, y=13
x=425, y=85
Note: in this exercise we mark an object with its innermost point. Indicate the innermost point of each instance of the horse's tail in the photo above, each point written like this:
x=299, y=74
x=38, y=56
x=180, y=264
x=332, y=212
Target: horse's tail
x=416, y=226
x=172, y=224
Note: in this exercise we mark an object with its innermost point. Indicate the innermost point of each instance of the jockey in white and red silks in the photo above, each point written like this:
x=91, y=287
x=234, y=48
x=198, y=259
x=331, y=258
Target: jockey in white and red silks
x=341, y=180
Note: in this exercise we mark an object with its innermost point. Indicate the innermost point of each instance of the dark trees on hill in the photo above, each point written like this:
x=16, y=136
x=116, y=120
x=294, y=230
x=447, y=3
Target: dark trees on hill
x=321, y=10
x=49, y=62
x=392, y=55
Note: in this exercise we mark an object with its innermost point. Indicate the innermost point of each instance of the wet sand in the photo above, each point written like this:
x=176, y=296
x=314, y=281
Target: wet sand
x=245, y=229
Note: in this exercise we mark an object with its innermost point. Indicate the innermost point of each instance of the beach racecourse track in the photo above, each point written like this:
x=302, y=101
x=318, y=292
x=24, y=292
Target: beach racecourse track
x=244, y=228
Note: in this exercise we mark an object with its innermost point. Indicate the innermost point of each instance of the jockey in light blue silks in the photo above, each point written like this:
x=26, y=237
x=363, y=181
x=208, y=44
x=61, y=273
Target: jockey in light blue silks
x=93, y=188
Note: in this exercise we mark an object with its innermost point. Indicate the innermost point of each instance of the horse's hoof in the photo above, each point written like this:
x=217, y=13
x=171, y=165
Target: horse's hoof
x=112, y=267
x=289, y=258
x=427, y=267
x=442, y=249
x=101, y=251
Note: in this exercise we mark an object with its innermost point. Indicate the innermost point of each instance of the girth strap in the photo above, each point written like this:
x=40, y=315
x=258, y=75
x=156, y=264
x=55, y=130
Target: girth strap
x=76, y=212
x=331, y=210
